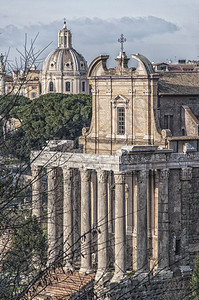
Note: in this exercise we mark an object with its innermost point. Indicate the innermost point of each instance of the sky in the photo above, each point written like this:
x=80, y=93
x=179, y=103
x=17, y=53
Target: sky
x=159, y=29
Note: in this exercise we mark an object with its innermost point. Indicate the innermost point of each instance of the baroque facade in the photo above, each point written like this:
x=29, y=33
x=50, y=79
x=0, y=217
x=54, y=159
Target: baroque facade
x=128, y=202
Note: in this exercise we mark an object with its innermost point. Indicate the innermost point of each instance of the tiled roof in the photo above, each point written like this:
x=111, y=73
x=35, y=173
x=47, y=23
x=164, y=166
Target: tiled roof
x=64, y=285
x=184, y=83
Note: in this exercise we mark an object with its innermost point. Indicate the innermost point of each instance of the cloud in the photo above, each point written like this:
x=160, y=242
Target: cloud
x=91, y=36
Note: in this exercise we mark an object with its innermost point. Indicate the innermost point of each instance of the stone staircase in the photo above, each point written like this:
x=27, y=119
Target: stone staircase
x=66, y=285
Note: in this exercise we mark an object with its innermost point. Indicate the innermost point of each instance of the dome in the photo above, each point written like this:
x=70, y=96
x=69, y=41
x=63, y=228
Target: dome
x=65, y=59
x=65, y=69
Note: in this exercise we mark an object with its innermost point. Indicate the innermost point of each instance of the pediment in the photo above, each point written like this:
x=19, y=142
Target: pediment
x=120, y=99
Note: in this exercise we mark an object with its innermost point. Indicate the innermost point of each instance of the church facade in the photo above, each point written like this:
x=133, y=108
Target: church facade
x=128, y=202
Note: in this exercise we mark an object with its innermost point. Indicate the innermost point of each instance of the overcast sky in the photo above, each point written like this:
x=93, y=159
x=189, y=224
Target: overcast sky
x=159, y=29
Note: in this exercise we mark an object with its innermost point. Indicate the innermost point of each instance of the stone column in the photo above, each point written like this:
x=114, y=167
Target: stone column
x=185, y=177
x=134, y=238
x=36, y=191
x=120, y=228
x=85, y=221
x=67, y=218
x=52, y=234
x=142, y=257
x=102, y=225
x=163, y=220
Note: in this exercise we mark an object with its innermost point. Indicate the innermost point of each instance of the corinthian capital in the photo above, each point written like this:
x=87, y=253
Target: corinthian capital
x=67, y=173
x=186, y=174
x=119, y=177
x=102, y=176
x=164, y=174
x=142, y=175
x=85, y=174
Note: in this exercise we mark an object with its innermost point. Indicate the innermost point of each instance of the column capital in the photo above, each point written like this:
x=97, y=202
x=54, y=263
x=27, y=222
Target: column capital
x=186, y=174
x=85, y=174
x=119, y=177
x=102, y=176
x=142, y=174
x=67, y=173
x=35, y=170
x=164, y=174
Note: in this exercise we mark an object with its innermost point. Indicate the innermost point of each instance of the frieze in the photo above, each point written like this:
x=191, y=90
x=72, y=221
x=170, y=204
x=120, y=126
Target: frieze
x=186, y=174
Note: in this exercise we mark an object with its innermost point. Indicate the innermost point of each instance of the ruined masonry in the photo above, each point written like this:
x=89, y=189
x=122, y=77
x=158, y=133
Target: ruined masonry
x=127, y=202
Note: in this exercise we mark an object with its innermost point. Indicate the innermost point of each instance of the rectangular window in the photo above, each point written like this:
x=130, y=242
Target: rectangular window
x=67, y=86
x=83, y=86
x=120, y=120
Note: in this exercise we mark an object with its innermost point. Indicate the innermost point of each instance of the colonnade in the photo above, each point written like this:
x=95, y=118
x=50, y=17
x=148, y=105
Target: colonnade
x=81, y=206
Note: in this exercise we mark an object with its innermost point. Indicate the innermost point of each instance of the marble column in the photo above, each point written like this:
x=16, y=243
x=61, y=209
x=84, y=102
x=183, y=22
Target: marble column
x=142, y=257
x=36, y=191
x=85, y=221
x=120, y=228
x=102, y=225
x=186, y=189
x=134, y=235
x=52, y=233
x=163, y=220
x=67, y=217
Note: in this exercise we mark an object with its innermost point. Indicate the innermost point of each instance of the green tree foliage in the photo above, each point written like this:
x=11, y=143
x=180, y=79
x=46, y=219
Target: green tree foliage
x=56, y=116
x=51, y=116
x=195, y=280
x=26, y=256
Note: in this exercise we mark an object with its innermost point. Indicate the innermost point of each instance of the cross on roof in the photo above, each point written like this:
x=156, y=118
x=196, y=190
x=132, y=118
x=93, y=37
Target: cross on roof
x=122, y=40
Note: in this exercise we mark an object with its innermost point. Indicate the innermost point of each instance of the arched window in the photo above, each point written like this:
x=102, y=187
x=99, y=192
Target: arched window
x=67, y=86
x=51, y=86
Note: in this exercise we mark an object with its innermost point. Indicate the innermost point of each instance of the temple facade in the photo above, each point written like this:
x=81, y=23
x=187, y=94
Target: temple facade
x=127, y=202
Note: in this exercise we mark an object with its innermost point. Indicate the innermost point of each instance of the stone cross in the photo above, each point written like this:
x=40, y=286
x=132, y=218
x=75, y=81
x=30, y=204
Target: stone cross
x=122, y=40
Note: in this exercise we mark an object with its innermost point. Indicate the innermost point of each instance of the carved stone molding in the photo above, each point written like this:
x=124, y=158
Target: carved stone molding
x=85, y=174
x=35, y=170
x=67, y=173
x=164, y=174
x=186, y=174
x=119, y=177
x=142, y=175
x=132, y=91
x=52, y=172
x=102, y=176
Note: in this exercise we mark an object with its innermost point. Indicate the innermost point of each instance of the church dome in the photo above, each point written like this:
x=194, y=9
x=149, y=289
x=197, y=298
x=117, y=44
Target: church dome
x=67, y=65
x=65, y=59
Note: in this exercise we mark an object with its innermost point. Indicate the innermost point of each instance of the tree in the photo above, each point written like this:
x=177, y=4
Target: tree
x=25, y=257
x=51, y=116
x=195, y=279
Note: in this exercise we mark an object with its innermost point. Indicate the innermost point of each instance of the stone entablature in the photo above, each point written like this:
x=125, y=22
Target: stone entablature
x=130, y=202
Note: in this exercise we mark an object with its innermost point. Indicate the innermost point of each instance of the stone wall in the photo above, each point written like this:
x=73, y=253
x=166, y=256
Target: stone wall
x=177, y=288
